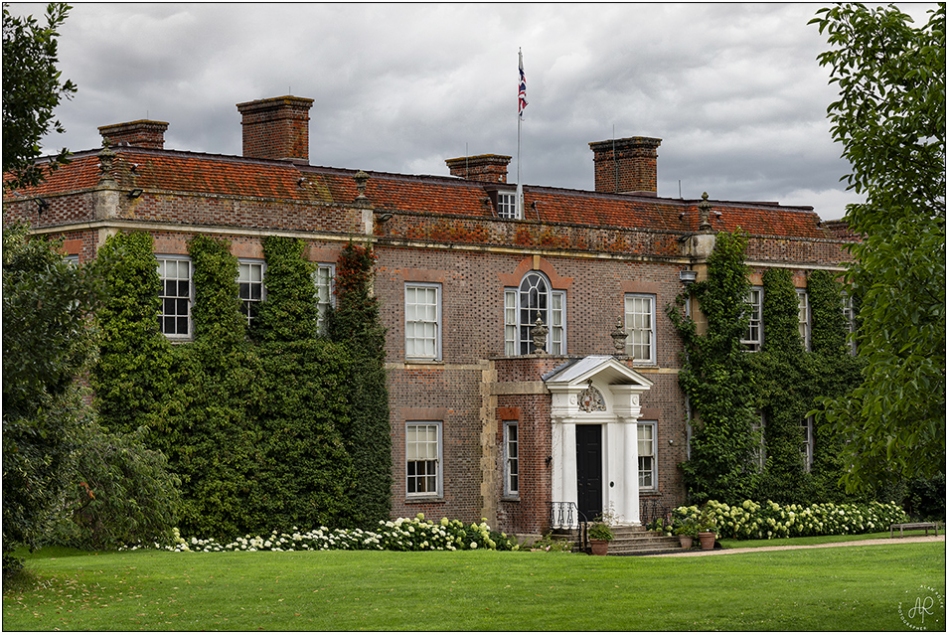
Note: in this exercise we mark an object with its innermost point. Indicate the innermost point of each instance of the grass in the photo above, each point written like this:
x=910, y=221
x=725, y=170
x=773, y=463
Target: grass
x=730, y=543
x=857, y=588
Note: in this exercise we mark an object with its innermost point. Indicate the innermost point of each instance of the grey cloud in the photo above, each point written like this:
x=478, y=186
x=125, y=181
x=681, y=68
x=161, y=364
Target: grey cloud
x=734, y=90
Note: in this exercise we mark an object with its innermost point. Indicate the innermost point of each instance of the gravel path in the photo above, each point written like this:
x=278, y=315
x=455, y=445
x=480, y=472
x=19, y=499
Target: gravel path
x=853, y=543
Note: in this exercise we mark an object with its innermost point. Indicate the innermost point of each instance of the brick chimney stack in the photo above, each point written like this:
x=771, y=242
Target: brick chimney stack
x=277, y=128
x=486, y=168
x=625, y=166
x=143, y=133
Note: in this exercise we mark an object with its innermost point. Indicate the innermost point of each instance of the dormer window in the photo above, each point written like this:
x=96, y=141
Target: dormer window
x=507, y=205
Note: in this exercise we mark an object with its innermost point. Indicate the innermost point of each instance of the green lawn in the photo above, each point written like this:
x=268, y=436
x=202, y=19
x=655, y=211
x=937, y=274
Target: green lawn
x=730, y=543
x=852, y=588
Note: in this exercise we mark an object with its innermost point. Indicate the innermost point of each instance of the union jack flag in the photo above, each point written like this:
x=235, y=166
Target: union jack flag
x=522, y=86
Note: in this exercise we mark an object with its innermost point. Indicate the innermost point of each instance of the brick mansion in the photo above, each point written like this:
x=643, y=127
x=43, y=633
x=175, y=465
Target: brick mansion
x=531, y=365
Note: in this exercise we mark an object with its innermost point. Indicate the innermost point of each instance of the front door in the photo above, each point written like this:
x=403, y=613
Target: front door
x=590, y=470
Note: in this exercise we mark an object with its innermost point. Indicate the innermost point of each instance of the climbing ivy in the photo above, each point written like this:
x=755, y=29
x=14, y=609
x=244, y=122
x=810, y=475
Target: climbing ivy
x=356, y=325
x=784, y=386
x=132, y=378
x=716, y=376
x=265, y=426
x=307, y=471
x=730, y=391
x=219, y=444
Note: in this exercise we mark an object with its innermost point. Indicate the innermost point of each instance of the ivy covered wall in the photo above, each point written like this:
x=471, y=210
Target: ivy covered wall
x=750, y=408
x=261, y=424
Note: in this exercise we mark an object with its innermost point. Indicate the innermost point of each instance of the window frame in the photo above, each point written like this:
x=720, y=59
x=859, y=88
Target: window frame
x=753, y=344
x=437, y=344
x=507, y=205
x=554, y=316
x=321, y=307
x=162, y=260
x=804, y=325
x=630, y=343
x=850, y=319
x=653, y=471
x=761, y=452
x=247, y=303
x=807, y=444
x=438, y=490
x=512, y=462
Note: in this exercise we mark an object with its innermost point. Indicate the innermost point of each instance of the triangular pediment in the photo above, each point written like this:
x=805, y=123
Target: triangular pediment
x=604, y=370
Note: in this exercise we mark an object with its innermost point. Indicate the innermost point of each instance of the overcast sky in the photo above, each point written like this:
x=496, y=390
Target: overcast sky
x=734, y=91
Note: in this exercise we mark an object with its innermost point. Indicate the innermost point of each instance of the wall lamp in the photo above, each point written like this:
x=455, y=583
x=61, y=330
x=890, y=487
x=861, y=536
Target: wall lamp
x=135, y=193
x=41, y=205
x=687, y=276
x=383, y=217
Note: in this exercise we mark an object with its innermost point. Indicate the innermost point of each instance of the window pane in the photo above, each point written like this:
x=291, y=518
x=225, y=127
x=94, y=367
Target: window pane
x=639, y=326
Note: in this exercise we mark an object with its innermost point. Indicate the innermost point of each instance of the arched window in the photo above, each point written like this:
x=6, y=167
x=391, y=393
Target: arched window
x=522, y=306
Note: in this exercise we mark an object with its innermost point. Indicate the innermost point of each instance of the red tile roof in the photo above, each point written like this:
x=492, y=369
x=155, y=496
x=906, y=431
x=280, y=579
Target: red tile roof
x=256, y=178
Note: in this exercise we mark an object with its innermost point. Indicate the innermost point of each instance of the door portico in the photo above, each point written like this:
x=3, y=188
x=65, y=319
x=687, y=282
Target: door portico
x=596, y=391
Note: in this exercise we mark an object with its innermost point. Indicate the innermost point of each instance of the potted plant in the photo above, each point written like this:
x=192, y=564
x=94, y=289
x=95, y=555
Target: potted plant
x=600, y=536
x=686, y=531
x=706, y=529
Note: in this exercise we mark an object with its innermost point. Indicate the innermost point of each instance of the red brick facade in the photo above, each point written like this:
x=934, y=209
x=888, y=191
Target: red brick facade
x=595, y=247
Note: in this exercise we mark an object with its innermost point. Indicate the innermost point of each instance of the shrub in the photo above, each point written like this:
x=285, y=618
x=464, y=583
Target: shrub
x=402, y=534
x=769, y=520
x=122, y=492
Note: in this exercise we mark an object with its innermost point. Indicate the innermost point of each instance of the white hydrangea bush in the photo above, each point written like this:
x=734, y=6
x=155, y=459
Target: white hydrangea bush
x=402, y=534
x=770, y=520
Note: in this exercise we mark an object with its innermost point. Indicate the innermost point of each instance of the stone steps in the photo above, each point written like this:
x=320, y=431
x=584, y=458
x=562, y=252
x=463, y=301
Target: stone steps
x=632, y=541
x=637, y=541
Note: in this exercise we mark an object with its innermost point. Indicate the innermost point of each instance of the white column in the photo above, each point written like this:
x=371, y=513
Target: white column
x=568, y=455
x=613, y=457
x=631, y=457
x=556, y=461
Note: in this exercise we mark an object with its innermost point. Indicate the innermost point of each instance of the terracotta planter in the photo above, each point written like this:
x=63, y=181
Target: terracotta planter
x=707, y=539
x=599, y=547
x=685, y=541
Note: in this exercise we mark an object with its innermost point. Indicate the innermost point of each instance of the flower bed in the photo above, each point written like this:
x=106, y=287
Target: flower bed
x=403, y=534
x=770, y=520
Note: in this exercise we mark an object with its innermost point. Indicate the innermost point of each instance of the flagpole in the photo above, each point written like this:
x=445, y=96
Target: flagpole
x=521, y=104
x=520, y=189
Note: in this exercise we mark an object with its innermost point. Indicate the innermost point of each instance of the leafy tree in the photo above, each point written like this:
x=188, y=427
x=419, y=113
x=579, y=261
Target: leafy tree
x=120, y=492
x=32, y=88
x=356, y=324
x=45, y=345
x=891, y=120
